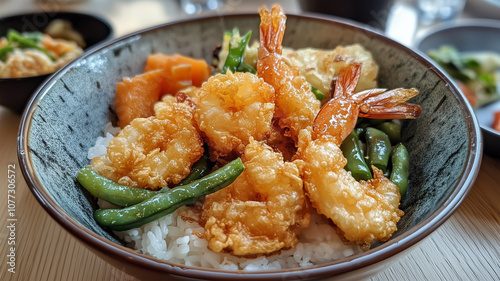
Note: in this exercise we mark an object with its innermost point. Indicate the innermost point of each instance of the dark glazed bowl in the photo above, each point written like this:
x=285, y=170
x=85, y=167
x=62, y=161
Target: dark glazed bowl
x=471, y=35
x=16, y=92
x=71, y=109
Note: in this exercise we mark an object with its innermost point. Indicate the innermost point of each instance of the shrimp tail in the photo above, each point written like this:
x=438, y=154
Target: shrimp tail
x=337, y=118
x=272, y=29
x=390, y=104
x=347, y=81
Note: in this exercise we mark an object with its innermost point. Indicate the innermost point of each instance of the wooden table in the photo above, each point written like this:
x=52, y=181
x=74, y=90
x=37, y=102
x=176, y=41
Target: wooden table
x=466, y=247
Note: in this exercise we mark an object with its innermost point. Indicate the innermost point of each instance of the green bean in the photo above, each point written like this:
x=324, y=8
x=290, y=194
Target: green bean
x=244, y=67
x=400, y=168
x=319, y=95
x=15, y=36
x=235, y=54
x=4, y=51
x=369, y=122
x=110, y=191
x=393, y=130
x=355, y=158
x=124, y=196
x=153, y=217
x=378, y=148
x=167, y=202
x=201, y=168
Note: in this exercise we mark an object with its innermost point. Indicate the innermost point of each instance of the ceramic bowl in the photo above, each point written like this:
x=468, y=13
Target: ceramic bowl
x=16, y=92
x=470, y=35
x=71, y=109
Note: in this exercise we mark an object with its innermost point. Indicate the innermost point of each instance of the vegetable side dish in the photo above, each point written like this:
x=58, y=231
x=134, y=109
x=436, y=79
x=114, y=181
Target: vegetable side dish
x=245, y=168
x=476, y=72
x=477, y=75
x=34, y=53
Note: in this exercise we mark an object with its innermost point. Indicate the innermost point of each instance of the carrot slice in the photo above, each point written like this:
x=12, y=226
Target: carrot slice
x=496, y=121
x=179, y=71
x=136, y=96
x=470, y=96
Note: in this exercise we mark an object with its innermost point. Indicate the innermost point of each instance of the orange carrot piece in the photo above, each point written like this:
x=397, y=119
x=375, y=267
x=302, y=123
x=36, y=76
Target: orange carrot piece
x=496, y=121
x=136, y=96
x=470, y=97
x=179, y=71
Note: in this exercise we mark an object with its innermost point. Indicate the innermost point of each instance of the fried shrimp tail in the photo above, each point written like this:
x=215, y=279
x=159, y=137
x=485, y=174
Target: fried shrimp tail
x=363, y=211
x=296, y=105
x=338, y=116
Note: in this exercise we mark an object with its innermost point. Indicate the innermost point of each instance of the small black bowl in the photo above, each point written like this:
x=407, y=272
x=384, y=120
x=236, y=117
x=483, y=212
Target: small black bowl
x=16, y=92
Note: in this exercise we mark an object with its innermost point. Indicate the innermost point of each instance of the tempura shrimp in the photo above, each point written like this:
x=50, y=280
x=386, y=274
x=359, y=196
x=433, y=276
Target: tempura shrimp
x=156, y=151
x=296, y=105
x=261, y=212
x=231, y=108
x=363, y=211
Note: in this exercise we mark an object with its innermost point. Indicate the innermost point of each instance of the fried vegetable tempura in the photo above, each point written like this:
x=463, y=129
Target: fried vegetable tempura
x=320, y=66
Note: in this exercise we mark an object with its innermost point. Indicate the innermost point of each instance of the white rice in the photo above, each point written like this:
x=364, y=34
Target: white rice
x=174, y=239
x=101, y=144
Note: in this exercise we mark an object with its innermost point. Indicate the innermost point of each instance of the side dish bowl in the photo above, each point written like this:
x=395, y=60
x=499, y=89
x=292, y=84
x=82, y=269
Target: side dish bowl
x=71, y=110
x=16, y=92
x=471, y=35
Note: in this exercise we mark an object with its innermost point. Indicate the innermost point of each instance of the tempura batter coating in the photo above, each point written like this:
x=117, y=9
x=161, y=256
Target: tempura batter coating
x=156, y=151
x=262, y=212
x=296, y=105
x=319, y=67
x=364, y=211
x=231, y=108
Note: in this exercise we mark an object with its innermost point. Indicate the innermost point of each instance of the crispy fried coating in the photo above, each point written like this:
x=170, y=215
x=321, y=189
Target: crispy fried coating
x=319, y=67
x=296, y=105
x=156, y=151
x=262, y=212
x=231, y=108
x=364, y=211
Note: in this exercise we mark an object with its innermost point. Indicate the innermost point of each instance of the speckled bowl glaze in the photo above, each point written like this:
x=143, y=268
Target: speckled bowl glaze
x=71, y=109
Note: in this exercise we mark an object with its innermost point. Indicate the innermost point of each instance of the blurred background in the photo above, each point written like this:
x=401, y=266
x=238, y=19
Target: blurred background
x=400, y=19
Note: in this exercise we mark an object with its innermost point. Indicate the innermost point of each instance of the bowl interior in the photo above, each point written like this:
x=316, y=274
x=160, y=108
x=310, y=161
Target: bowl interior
x=471, y=36
x=72, y=108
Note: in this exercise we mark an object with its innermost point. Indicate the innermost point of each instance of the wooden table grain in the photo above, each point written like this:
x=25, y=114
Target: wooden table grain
x=465, y=247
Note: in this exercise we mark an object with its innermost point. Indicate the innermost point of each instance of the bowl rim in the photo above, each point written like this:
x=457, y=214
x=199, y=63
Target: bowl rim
x=371, y=257
x=459, y=24
x=100, y=19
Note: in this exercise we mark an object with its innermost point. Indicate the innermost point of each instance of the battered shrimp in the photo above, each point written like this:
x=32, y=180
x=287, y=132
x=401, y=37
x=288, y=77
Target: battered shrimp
x=363, y=211
x=231, y=108
x=261, y=212
x=156, y=151
x=296, y=105
x=319, y=66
